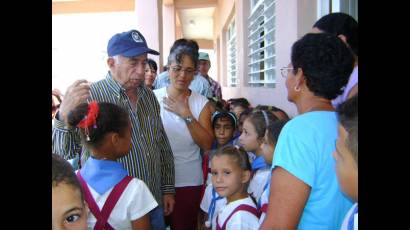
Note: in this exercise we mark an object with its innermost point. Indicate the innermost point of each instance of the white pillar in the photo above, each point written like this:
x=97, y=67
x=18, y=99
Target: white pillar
x=242, y=8
x=168, y=22
x=148, y=14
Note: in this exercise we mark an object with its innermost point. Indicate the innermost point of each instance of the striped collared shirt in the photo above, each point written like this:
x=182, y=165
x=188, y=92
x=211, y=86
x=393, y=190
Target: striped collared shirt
x=150, y=158
x=215, y=88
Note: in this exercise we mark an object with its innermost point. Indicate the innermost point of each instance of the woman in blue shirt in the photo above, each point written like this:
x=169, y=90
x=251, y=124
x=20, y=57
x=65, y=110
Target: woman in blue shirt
x=304, y=193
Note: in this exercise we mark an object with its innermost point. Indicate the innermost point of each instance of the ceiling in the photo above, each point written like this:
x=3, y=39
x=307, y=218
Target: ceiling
x=195, y=16
x=197, y=23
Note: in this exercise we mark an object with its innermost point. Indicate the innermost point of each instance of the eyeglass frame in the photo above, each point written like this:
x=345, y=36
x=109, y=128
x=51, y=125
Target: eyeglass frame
x=287, y=71
x=177, y=69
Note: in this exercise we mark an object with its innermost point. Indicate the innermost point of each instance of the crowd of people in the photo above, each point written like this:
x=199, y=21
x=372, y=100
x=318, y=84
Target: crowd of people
x=146, y=150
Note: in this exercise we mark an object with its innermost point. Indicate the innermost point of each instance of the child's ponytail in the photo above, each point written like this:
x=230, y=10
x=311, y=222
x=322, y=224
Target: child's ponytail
x=95, y=120
x=85, y=118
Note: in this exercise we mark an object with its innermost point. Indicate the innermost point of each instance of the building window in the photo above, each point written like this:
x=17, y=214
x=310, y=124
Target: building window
x=233, y=81
x=262, y=54
x=325, y=7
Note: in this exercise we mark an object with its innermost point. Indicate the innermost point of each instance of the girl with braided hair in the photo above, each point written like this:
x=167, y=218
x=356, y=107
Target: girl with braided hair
x=116, y=200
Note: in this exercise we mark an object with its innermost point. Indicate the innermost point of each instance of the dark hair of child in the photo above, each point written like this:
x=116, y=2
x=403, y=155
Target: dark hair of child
x=260, y=120
x=111, y=118
x=272, y=108
x=152, y=64
x=238, y=154
x=222, y=114
x=217, y=104
x=239, y=102
x=348, y=115
x=245, y=114
x=273, y=130
x=242, y=117
x=62, y=172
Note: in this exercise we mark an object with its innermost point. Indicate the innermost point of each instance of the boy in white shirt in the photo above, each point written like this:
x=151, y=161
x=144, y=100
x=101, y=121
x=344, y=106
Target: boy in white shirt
x=346, y=156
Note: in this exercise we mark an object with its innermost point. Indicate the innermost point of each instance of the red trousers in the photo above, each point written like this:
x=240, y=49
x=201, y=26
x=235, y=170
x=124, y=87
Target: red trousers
x=185, y=214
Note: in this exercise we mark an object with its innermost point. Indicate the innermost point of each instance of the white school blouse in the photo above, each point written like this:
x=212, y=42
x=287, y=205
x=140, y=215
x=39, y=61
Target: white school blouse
x=206, y=202
x=241, y=220
x=258, y=182
x=134, y=202
x=347, y=218
x=264, y=200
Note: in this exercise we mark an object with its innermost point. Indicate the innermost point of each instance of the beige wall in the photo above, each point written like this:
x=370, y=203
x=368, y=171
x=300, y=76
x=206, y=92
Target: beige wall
x=92, y=6
x=222, y=13
x=186, y=4
x=205, y=44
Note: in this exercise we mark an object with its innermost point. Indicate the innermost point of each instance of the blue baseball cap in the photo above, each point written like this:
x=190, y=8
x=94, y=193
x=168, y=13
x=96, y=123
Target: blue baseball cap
x=128, y=44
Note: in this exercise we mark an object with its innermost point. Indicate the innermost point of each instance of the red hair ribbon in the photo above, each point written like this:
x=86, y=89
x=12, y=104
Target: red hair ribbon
x=91, y=118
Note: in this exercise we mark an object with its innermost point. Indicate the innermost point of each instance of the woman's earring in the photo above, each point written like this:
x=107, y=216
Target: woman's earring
x=296, y=88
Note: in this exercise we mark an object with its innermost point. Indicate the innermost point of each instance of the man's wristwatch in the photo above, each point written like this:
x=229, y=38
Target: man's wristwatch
x=188, y=119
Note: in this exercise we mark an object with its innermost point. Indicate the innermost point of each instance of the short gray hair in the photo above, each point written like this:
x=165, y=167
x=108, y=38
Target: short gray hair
x=116, y=58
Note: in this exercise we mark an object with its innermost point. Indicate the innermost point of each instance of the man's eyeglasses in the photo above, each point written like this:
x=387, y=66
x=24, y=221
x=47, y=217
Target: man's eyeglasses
x=178, y=69
x=285, y=70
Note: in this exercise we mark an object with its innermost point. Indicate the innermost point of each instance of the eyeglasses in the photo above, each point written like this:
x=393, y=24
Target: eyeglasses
x=178, y=69
x=285, y=70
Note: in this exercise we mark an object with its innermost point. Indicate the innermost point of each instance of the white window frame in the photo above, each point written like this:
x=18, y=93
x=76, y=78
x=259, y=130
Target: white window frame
x=231, y=54
x=262, y=44
x=325, y=7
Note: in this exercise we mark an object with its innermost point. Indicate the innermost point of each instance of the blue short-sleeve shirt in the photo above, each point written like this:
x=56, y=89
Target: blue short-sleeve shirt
x=304, y=149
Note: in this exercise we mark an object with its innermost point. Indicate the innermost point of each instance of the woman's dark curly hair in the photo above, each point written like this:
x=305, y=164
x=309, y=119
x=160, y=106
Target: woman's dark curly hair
x=326, y=63
x=184, y=47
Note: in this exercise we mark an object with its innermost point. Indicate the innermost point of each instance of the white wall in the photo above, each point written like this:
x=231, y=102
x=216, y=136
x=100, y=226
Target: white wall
x=79, y=43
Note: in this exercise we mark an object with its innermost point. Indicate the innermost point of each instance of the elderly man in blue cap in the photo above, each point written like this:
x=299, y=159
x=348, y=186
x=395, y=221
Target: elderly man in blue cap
x=151, y=158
